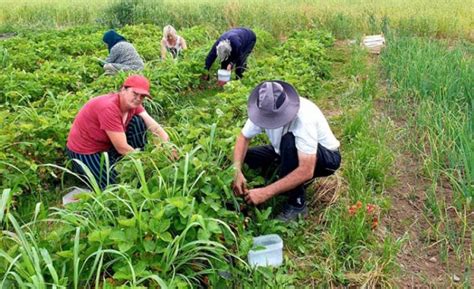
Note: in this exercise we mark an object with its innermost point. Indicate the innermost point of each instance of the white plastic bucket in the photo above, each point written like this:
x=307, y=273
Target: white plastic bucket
x=223, y=75
x=267, y=251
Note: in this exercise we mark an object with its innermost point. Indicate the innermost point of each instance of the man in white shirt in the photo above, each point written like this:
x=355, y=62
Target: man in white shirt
x=302, y=144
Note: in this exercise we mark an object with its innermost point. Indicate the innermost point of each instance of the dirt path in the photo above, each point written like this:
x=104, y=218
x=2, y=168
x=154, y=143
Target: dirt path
x=421, y=263
x=419, y=258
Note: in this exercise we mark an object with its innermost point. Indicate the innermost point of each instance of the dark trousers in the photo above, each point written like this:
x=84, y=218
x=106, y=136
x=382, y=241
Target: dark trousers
x=136, y=137
x=265, y=158
x=174, y=52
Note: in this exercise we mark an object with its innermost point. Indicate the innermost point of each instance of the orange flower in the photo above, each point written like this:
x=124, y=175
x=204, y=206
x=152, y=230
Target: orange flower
x=375, y=223
x=352, y=210
x=371, y=208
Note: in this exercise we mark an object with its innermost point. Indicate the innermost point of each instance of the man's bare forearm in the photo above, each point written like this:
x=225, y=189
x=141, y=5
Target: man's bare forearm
x=240, y=150
x=297, y=177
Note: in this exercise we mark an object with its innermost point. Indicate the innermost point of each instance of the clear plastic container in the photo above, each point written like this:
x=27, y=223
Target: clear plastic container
x=267, y=251
x=71, y=196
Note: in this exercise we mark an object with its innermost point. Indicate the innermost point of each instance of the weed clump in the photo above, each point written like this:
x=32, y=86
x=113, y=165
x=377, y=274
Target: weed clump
x=121, y=13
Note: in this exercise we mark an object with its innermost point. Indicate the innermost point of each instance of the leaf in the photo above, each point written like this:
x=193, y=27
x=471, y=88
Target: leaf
x=159, y=226
x=185, y=212
x=65, y=254
x=118, y=235
x=215, y=206
x=196, y=218
x=149, y=245
x=99, y=235
x=213, y=227
x=127, y=222
x=178, y=202
x=167, y=237
x=123, y=275
x=131, y=234
x=203, y=234
x=125, y=246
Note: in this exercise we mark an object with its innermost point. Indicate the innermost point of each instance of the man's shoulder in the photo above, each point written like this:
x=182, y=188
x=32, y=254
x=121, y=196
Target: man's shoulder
x=108, y=97
x=105, y=102
x=307, y=107
x=250, y=128
x=305, y=101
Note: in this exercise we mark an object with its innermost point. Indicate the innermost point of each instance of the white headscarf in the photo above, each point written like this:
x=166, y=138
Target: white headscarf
x=223, y=49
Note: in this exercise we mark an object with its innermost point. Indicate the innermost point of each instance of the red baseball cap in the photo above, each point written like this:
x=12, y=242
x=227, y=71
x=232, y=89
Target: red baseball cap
x=139, y=84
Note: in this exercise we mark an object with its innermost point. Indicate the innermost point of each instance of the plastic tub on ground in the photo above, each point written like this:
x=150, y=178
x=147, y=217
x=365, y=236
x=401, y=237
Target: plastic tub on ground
x=71, y=197
x=267, y=251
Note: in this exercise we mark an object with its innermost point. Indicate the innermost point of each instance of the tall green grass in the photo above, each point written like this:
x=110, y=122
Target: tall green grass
x=437, y=80
x=135, y=233
x=343, y=18
x=434, y=80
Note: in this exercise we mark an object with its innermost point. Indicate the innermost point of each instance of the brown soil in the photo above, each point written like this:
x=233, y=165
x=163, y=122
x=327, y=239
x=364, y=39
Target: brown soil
x=419, y=259
x=422, y=264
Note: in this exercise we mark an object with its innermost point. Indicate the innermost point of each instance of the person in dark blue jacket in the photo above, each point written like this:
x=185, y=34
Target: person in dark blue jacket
x=232, y=48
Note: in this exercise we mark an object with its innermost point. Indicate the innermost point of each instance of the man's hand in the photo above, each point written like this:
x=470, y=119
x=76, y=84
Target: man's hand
x=240, y=184
x=172, y=151
x=229, y=66
x=174, y=154
x=258, y=196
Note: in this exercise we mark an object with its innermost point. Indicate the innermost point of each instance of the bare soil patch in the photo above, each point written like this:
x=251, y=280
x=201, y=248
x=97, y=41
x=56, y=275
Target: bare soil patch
x=419, y=259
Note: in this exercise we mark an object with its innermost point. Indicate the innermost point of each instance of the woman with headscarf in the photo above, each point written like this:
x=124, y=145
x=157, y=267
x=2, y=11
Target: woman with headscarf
x=122, y=54
x=232, y=48
x=171, y=42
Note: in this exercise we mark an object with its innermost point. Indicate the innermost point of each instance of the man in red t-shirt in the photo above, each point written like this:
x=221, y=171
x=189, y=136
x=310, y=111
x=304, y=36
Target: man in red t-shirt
x=115, y=123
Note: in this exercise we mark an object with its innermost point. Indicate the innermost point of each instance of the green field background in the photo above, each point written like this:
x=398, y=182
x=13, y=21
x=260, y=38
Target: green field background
x=342, y=17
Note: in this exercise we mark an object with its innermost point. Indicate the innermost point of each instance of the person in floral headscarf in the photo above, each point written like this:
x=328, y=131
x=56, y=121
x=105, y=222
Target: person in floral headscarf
x=122, y=54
